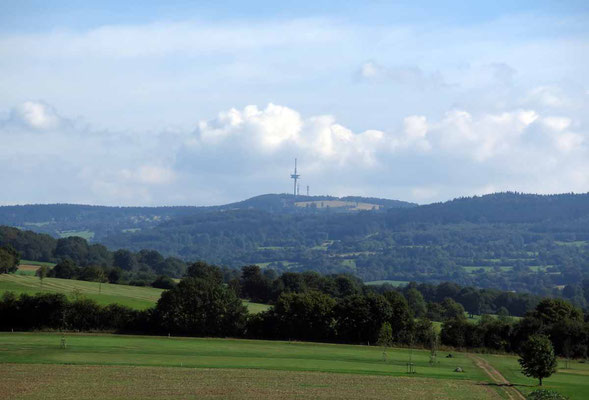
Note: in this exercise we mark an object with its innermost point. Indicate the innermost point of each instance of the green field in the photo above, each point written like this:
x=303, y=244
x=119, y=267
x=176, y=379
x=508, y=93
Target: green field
x=472, y=269
x=573, y=381
x=273, y=368
x=131, y=296
x=88, y=235
x=37, y=263
x=394, y=283
x=305, y=362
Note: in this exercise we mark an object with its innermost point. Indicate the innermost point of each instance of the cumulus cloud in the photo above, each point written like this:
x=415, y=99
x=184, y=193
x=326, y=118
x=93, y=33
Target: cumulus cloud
x=248, y=151
x=277, y=128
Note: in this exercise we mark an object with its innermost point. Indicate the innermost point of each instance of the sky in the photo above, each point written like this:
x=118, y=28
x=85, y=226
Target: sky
x=209, y=102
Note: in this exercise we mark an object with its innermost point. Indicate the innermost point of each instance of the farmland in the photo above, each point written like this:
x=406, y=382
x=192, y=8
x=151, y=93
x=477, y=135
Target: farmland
x=155, y=365
x=131, y=296
x=572, y=381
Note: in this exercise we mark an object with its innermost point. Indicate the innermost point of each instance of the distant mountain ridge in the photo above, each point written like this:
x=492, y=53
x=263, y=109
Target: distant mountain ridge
x=509, y=240
x=96, y=222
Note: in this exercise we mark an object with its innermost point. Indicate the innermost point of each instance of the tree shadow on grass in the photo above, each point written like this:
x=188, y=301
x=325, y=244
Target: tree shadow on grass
x=514, y=385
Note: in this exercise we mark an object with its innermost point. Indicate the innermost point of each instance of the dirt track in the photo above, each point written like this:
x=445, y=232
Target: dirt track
x=499, y=379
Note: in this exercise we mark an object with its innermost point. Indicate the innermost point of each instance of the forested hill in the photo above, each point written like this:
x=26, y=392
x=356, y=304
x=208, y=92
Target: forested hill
x=499, y=207
x=510, y=241
x=96, y=222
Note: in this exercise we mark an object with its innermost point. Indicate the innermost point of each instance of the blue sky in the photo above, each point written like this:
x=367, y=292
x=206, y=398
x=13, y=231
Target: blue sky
x=161, y=103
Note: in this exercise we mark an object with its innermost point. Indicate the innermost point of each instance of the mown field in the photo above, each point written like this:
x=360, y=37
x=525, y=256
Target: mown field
x=572, y=381
x=131, y=296
x=121, y=366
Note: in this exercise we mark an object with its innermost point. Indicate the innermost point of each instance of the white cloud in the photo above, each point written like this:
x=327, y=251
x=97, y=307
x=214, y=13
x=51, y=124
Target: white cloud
x=276, y=128
x=248, y=151
x=484, y=137
x=36, y=115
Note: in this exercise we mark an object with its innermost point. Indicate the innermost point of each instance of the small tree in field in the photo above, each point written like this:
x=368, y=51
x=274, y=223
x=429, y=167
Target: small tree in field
x=42, y=273
x=101, y=278
x=385, y=338
x=537, y=358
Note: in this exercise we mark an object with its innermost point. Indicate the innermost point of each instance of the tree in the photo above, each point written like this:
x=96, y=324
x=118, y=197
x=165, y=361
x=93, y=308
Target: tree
x=416, y=303
x=201, y=307
x=163, y=282
x=537, y=358
x=66, y=269
x=385, y=336
x=124, y=259
x=9, y=259
x=202, y=270
x=452, y=309
x=101, y=278
x=42, y=273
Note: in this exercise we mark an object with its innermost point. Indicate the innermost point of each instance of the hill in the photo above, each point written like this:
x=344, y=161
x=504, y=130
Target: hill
x=508, y=240
x=96, y=222
x=511, y=241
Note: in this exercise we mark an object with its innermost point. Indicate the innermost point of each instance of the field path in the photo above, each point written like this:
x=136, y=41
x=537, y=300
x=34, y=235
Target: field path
x=496, y=376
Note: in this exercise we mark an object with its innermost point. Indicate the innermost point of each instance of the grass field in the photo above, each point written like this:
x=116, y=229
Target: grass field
x=573, y=381
x=394, y=283
x=27, y=267
x=71, y=382
x=121, y=366
x=314, y=370
x=131, y=296
x=36, y=263
x=88, y=235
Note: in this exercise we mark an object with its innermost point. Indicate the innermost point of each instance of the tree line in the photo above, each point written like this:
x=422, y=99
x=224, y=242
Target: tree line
x=78, y=259
x=308, y=307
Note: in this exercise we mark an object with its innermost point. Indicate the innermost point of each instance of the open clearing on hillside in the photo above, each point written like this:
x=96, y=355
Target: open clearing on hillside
x=389, y=282
x=99, y=382
x=119, y=366
x=131, y=296
x=352, y=205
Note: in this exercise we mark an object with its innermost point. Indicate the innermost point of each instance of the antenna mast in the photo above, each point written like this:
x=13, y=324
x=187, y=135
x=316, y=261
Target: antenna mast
x=296, y=177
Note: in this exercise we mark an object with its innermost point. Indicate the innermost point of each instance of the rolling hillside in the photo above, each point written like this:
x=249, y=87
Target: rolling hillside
x=130, y=296
x=510, y=241
x=96, y=222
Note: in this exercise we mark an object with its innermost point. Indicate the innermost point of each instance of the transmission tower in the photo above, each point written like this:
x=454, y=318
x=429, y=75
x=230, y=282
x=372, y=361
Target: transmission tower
x=296, y=177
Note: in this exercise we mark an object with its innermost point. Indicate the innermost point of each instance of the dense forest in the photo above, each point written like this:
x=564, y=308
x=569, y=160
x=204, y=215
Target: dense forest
x=511, y=241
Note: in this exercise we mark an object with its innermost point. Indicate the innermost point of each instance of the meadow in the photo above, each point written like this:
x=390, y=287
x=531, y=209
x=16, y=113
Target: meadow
x=136, y=297
x=260, y=368
x=572, y=381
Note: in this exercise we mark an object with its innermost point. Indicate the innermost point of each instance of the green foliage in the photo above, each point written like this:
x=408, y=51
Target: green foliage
x=199, y=307
x=202, y=270
x=537, y=358
x=9, y=259
x=42, y=273
x=385, y=335
x=163, y=282
x=305, y=316
x=416, y=302
x=546, y=394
